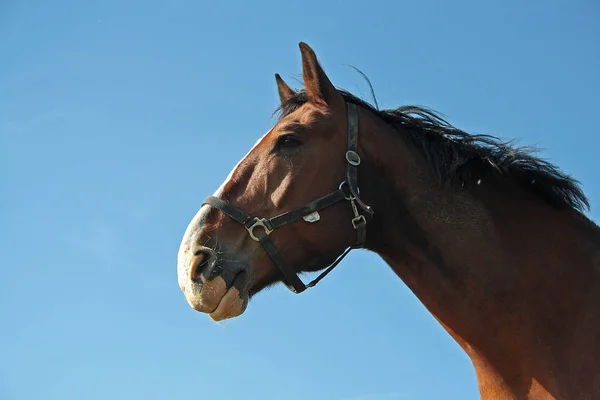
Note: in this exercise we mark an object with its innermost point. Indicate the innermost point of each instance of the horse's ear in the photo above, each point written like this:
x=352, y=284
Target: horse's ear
x=285, y=92
x=318, y=86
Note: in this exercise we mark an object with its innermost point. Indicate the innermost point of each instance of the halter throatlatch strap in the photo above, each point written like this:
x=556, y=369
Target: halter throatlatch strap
x=260, y=229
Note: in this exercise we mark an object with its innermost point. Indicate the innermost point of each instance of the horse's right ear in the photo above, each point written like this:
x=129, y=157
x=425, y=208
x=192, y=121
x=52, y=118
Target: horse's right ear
x=318, y=86
x=285, y=92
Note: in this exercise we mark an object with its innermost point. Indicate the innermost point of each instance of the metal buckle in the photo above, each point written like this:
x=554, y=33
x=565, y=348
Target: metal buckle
x=355, y=221
x=357, y=216
x=258, y=222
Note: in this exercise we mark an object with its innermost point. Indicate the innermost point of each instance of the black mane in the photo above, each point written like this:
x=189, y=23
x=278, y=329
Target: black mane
x=459, y=157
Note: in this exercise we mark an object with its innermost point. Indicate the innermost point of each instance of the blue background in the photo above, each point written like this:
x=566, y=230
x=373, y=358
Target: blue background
x=118, y=118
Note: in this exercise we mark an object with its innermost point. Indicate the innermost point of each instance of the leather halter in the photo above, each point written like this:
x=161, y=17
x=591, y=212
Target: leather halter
x=309, y=213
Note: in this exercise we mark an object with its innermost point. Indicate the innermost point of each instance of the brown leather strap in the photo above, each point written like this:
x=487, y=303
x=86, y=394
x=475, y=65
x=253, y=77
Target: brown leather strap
x=291, y=278
x=352, y=158
x=310, y=208
x=228, y=209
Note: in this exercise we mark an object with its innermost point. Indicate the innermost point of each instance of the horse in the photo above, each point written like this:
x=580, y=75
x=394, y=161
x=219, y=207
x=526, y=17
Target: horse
x=493, y=240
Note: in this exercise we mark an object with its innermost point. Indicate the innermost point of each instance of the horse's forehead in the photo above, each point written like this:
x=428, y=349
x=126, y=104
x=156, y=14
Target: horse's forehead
x=257, y=144
x=305, y=116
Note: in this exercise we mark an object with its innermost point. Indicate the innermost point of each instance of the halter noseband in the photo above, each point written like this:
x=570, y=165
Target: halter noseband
x=309, y=213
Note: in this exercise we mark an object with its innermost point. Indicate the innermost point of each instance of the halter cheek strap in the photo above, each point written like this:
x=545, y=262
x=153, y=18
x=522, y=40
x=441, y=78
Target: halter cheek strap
x=260, y=229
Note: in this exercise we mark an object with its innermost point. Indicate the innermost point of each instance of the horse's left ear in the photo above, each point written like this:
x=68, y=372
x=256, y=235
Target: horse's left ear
x=285, y=92
x=318, y=86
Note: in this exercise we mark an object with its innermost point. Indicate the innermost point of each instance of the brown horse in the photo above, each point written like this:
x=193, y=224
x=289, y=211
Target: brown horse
x=491, y=239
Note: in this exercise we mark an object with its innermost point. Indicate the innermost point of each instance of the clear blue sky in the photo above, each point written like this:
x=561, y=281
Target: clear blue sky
x=118, y=118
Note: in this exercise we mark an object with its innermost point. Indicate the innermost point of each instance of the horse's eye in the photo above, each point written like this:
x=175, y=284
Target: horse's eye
x=288, y=143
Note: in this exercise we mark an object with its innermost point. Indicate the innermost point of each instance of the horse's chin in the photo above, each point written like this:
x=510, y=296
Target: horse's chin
x=234, y=301
x=233, y=304
x=215, y=298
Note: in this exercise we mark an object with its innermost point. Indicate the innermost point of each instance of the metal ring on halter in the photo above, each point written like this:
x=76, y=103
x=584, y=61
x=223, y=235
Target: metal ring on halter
x=353, y=158
x=351, y=197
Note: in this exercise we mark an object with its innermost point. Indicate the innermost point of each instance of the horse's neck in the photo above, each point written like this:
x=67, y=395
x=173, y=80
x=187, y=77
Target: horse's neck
x=511, y=284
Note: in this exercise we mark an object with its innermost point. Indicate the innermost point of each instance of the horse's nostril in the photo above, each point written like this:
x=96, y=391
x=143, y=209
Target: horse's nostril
x=199, y=262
